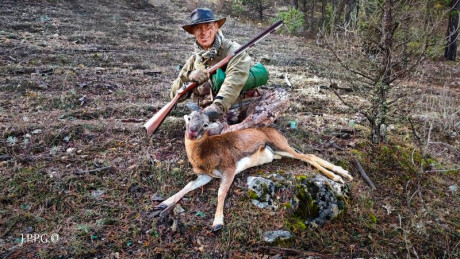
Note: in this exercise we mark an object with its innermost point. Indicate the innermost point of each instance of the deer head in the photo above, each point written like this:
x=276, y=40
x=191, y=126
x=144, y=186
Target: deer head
x=196, y=124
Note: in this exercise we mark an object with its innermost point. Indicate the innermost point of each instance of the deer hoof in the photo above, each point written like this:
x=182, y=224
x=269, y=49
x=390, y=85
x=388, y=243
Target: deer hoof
x=217, y=228
x=160, y=206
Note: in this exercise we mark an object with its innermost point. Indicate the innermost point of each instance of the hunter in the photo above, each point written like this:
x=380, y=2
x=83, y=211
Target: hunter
x=228, y=96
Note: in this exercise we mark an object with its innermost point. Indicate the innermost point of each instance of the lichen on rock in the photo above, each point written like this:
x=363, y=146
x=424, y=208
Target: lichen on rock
x=320, y=200
x=309, y=201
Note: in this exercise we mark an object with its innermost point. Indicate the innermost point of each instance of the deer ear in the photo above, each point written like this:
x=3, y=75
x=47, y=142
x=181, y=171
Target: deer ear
x=185, y=118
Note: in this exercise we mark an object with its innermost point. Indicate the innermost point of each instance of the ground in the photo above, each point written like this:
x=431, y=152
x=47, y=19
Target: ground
x=79, y=78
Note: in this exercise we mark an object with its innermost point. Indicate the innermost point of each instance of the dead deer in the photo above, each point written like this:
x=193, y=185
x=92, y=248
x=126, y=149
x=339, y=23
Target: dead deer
x=224, y=156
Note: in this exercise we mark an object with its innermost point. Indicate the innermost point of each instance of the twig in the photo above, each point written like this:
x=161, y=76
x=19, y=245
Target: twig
x=335, y=86
x=287, y=251
x=287, y=80
x=5, y=158
x=443, y=170
x=363, y=173
x=95, y=170
x=132, y=120
x=25, y=158
x=445, y=144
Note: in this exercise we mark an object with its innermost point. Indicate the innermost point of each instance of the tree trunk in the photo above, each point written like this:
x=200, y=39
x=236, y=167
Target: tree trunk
x=312, y=16
x=452, y=31
x=261, y=9
x=323, y=10
x=351, y=6
x=339, y=11
x=295, y=3
x=380, y=102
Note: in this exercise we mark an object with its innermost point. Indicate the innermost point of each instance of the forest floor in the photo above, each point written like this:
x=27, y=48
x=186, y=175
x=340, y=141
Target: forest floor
x=78, y=80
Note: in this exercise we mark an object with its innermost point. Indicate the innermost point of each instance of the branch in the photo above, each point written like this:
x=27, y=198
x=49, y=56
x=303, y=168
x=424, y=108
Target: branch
x=348, y=68
x=286, y=251
x=94, y=170
x=417, y=137
x=363, y=173
x=447, y=145
x=351, y=107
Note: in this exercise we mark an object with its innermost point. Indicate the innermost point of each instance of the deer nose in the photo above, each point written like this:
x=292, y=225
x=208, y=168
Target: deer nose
x=191, y=134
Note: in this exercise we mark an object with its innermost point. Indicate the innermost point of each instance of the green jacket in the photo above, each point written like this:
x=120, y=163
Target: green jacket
x=236, y=73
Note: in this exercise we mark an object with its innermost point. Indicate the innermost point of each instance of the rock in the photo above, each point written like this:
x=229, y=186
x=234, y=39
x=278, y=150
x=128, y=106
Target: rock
x=97, y=194
x=157, y=197
x=319, y=200
x=37, y=131
x=311, y=201
x=178, y=210
x=262, y=191
x=272, y=236
x=70, y=150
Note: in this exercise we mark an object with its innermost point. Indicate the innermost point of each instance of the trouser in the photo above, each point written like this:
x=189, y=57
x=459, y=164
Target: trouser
x=257, y=112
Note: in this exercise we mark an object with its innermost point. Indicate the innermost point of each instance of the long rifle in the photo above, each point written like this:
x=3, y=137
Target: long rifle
x=154, y=122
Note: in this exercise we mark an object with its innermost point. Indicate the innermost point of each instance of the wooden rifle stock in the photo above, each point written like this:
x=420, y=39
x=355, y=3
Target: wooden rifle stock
x=152, y=125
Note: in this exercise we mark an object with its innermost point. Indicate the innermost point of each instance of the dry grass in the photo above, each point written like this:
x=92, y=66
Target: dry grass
x=123, y=57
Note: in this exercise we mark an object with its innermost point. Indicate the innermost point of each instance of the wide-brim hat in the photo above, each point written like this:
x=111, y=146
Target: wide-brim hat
x=202, y=15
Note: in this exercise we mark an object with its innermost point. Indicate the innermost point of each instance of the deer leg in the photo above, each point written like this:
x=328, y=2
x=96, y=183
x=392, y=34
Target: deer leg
x=312, y=161
x=166, y=206
x=334, y=168
x=323, y=170
x=226, y=182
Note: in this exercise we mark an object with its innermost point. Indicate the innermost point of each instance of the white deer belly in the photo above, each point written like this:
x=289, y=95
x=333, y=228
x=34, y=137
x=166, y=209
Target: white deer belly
x=262, y=156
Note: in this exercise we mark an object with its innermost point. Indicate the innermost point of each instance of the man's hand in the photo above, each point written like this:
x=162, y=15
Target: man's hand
x=214, y=111
x=200, y=76
x=202, y=89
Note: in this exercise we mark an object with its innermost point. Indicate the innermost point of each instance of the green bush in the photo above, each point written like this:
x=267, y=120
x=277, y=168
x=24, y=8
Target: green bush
x=293, y=20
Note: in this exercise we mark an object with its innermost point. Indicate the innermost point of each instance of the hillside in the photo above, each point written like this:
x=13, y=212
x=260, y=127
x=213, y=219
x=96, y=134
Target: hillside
x=78, y=80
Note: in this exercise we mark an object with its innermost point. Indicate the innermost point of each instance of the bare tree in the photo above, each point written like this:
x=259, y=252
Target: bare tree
x=381, y=52
x=452, y=31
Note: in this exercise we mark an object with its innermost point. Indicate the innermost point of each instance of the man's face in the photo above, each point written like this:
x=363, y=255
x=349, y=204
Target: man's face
x=205, y=33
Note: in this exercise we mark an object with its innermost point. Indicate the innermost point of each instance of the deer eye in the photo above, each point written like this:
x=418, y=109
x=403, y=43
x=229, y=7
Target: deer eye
x=205, y=125
x=188, y=118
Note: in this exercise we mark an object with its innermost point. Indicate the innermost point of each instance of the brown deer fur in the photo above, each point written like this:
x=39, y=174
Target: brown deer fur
x=223, y=156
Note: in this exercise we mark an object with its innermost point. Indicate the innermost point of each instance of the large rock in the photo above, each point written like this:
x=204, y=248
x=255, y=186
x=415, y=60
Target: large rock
x=312, y=201
x=262, y=191
x=319, y=200
x=272, y=236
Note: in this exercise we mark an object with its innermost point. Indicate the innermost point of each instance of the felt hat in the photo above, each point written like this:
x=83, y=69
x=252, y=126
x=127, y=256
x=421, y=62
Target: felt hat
x=202, y=15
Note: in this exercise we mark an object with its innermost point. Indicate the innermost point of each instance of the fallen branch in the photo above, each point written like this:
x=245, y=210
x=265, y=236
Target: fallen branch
x=335, y=86
x=132, y=120
x=25, y=158
x=286, y=251
x=95, y=170
x=443, y=170
x=445, y=144
x=287, y=80
x=5, y=158
x=363, y=174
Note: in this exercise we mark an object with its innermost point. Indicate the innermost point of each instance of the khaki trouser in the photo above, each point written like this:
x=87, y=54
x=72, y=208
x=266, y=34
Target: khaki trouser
x=261, y=111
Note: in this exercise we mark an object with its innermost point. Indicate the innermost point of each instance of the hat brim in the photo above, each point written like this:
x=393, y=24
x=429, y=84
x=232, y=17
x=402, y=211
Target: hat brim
x=189, y=27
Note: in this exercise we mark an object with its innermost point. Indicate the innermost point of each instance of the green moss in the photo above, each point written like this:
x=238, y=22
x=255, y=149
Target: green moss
x=286, y=205
x=372, y=218
x=295, y=224
x=307, y=209
x=252, y=195
x=301, y=177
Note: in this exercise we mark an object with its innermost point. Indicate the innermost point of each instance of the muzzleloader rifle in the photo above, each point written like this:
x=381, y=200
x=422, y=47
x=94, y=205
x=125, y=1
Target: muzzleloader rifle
x=152, y=124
